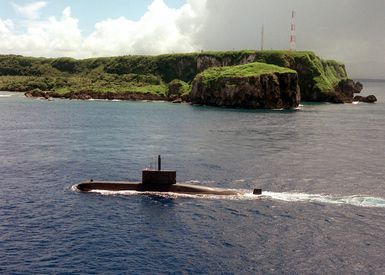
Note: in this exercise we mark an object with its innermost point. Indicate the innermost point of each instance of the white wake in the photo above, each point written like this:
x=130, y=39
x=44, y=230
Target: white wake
x=355, y=200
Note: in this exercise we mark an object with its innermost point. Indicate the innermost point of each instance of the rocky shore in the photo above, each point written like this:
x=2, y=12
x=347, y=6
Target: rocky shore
x=366, y=99
x=89, y=95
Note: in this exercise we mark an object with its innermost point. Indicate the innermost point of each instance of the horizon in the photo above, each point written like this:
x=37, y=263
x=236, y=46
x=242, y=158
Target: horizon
x=63, y=29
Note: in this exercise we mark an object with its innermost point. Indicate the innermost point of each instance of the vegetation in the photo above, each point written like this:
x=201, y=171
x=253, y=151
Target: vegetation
x=153, y=74
x=103, y=83
x=178, y=88
x=247, y=70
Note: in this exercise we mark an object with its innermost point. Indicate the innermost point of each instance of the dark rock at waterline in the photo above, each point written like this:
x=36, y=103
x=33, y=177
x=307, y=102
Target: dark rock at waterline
x=366, y=99
x=37, y=93
x=86, y=95
x=28, y=94
x=344, y=91
x=178, y=100
x=80, y=96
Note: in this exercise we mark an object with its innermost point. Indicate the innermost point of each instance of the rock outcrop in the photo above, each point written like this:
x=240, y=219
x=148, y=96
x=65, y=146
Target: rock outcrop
x=366, y=99
x=350, y=87
x=247, y=86
x=178, y=91
x=345, y=91
x=38, y=93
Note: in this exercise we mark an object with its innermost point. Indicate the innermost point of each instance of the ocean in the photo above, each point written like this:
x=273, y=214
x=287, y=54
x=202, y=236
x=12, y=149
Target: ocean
x=321, y=169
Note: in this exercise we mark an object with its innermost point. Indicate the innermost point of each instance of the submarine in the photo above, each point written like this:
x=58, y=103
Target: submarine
x=157, y=181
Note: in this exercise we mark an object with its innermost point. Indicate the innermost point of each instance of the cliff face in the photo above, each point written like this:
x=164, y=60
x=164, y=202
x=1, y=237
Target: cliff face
x=246, y=88
x=319, y=79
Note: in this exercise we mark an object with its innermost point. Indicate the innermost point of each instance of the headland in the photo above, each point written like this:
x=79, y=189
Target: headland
x=246, y=79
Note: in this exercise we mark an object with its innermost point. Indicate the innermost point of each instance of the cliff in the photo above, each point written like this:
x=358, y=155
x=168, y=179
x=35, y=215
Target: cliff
x=319, y=80
x=254, y=85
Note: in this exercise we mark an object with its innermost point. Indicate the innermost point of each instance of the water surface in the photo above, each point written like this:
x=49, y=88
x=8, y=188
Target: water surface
x=322, y=211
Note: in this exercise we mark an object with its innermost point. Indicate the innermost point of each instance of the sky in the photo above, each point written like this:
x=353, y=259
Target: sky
x=351, y=31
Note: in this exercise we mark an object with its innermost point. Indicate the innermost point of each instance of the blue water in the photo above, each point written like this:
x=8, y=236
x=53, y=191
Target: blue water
x=321, y=168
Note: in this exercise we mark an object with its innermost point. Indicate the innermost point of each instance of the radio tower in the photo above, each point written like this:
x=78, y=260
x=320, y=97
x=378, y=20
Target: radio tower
x=262, y=36
x=293, y=38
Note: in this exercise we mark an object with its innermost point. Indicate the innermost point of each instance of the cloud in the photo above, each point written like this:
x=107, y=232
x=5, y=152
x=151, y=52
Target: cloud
x=51, y=37
x=30, y=11
x=6, y=26
x=160, y=30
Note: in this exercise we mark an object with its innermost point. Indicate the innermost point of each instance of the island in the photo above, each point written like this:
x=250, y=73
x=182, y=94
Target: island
x=245, y=79
x=254, y=85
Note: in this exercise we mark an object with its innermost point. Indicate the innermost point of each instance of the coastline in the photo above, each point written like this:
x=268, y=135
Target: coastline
x=248, y=78
x=129, y=96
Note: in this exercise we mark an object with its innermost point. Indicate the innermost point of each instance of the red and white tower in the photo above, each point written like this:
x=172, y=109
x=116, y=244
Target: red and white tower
x=293, y=37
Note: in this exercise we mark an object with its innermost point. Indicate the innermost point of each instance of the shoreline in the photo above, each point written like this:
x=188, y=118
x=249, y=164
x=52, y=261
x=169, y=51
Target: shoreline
x=144, y=97
x=109, y=96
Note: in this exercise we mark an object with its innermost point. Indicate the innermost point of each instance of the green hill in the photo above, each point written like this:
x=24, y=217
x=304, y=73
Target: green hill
x=318, y=78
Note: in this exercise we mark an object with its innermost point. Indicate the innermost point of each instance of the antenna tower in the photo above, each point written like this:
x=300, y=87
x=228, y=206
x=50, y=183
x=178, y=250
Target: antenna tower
x=293, y=37
x=262, y=37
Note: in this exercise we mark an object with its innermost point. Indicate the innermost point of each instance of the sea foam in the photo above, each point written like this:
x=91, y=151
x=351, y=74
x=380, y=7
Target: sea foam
x=355, y=200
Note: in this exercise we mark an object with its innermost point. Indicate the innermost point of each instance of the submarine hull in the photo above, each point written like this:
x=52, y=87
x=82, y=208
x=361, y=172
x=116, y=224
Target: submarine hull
x=89, y=186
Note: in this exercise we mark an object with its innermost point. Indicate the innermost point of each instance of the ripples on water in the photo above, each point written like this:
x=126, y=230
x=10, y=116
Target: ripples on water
x=321, y=169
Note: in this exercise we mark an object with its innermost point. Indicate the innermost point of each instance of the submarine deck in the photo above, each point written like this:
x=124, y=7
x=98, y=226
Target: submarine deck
x=88, y=186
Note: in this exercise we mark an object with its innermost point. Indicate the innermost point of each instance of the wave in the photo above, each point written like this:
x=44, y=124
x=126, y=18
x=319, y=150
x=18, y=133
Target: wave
x=354, y=200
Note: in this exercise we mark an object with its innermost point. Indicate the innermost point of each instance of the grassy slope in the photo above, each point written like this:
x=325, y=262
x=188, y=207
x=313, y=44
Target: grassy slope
x=247, y=70
x=331, y=73
x=315, y=74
